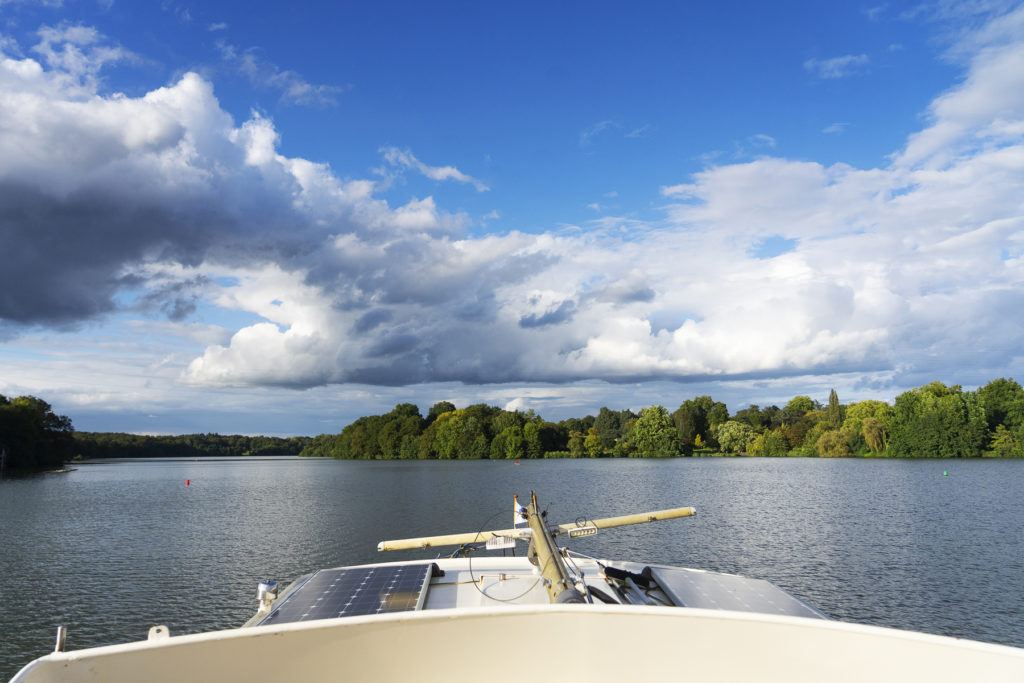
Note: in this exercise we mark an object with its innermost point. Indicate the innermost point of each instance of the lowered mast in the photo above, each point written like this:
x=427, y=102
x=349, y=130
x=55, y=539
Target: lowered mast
x=545, y=554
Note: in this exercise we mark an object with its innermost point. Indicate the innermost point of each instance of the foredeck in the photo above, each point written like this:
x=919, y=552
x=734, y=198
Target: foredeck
x=494, y=581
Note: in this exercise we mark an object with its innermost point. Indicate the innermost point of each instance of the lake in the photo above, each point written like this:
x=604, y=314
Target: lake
x=116, y=547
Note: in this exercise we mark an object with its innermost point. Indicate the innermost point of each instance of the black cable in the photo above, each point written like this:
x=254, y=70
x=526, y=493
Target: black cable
x=469, y=564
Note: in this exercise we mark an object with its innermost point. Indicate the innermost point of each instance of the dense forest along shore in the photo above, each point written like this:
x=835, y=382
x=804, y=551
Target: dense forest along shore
x=931, y=421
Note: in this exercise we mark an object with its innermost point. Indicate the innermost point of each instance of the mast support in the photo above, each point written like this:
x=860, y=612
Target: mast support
x=545, y=554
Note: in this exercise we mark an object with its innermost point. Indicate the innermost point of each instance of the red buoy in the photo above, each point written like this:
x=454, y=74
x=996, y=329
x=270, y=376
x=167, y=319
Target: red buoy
x=187, y=481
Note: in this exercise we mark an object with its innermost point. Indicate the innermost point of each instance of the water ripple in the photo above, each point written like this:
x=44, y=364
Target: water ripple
x=112, y=549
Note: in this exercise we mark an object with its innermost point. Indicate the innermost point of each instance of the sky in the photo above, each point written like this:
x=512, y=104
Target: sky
x=273, y=218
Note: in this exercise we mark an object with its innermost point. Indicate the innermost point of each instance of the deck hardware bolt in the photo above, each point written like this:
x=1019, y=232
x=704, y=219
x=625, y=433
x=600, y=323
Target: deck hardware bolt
x=159, y=632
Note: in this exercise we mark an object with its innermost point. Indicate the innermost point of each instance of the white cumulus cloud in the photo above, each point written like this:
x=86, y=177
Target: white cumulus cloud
x=166, y=194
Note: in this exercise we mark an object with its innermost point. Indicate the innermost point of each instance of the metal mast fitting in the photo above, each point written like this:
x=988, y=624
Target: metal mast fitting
x=544, y=553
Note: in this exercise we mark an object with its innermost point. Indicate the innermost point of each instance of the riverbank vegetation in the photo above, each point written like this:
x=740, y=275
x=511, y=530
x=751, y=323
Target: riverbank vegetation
x=34, y=439
x=119, y=445
x=32, y=436
x=932, y=421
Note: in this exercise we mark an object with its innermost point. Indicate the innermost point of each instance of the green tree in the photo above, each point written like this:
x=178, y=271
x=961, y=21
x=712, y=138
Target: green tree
x=1003, y=400
x=819, y=425
x=834, y=411
x=449, y=427
x=856, y=413
x=936, y=421
x=772, y=417
x=795, y=432
x=409, y=449
x=592, y=443
x=32, y=435
x=874, y=433
x=654, y=434
x=513, y=442
x=405, y=410
x=695, y=417
x=552, y=437
x=1004, y=444
x=533, y=444
x=833, y=444
x=507, y=418
x=577, y=444
x=577, y=424
x=608, y=424
x=800, y=406
x=389, y=441
x=508, y=444
x=751, y=415
x=438, y=409
x=718, y=414
x=734, y=436
x=426, y=448
x=768, y=444
x=689, y=422
x=775, y=444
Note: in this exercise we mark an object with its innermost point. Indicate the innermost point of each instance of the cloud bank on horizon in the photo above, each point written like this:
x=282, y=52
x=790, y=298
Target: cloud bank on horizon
x=767, y=267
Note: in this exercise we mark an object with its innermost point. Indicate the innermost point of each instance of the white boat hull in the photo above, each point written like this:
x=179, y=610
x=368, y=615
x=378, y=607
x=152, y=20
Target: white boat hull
x=562, y=642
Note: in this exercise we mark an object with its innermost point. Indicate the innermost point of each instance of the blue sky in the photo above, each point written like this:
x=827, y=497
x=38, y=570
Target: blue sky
x=261, y=218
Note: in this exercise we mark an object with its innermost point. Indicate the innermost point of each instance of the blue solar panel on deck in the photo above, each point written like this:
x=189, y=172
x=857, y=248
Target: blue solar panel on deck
x=352, y=591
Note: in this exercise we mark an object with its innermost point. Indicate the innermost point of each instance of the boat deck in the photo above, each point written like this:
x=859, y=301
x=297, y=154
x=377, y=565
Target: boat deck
x=494, y=581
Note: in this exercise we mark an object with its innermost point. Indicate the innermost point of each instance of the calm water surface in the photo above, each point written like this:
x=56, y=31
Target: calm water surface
x=114, y=548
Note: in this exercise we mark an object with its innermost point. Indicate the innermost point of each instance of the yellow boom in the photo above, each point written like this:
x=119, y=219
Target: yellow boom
x=476, y=537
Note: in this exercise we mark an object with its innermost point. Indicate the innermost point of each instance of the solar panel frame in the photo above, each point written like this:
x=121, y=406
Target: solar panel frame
x=354, y=591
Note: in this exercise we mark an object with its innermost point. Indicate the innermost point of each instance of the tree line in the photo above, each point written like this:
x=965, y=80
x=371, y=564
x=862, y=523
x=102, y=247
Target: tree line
x=119, y=445
x=931, y=421
x=33, y=438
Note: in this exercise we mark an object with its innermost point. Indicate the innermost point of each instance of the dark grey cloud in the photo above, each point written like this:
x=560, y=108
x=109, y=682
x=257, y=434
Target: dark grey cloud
x=62, y=260
x=176, y=300
x=623, y=293
x=95, y=193
x=68, y=257
x=562, y=314
x=478, y=307
x=372, y=319
x=392, y=344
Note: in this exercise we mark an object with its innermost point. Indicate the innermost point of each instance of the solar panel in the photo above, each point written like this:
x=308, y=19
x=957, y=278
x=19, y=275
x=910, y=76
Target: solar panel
x=711, y=590
x=352, y=591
